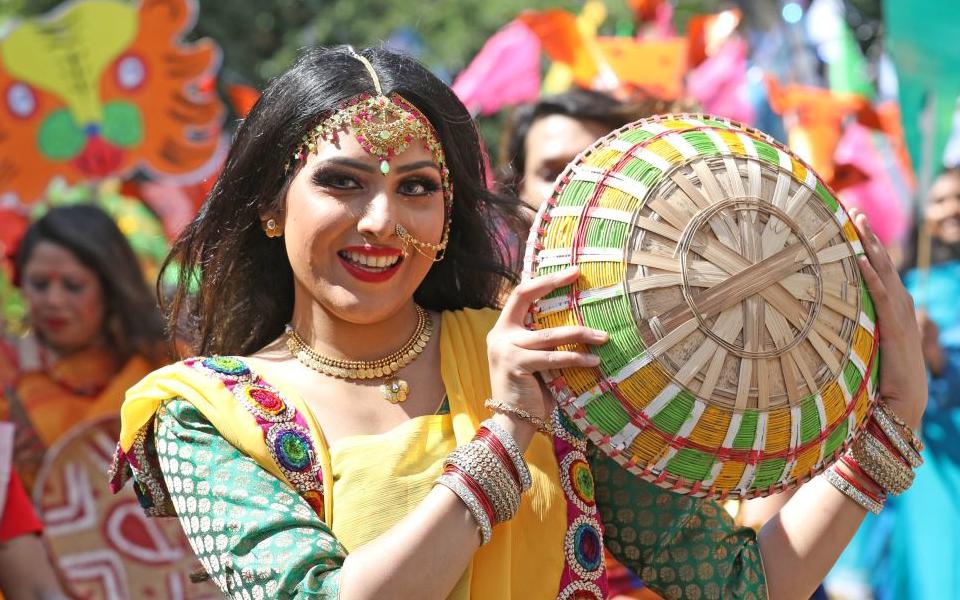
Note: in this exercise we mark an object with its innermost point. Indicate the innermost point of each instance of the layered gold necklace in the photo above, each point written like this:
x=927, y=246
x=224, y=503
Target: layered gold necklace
x=393, y=388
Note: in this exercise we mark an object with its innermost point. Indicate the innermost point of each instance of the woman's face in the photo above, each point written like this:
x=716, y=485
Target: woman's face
x=65, y=298
x=943, y=209
x=340, y=223
x=552, y=143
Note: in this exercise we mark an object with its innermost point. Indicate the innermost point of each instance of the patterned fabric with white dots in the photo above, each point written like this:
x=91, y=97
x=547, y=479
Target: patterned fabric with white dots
x=255, y=536
x=258, y=538
x=679, y=546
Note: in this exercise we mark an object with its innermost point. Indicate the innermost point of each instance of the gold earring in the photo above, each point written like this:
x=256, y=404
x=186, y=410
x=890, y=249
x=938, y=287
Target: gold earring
x=272, y=229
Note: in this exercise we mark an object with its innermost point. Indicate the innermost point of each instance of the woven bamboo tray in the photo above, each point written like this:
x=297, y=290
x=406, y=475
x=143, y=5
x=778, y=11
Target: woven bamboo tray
x=742, y=357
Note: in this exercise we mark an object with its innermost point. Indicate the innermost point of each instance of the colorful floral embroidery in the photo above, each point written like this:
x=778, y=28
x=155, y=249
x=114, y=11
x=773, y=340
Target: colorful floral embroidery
x=264, y=403
x=140, y=463
x=584, y=577
x=577, y=481
x=285, y=431
x=581, y=590
x=584, y=547
x=291, y=446
x=228, y=368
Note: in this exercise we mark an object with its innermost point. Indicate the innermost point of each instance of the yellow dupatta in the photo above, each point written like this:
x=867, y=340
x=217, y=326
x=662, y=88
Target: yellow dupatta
x=525, y=557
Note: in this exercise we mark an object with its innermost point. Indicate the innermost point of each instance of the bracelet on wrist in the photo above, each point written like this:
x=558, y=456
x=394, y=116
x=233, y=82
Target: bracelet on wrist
x=512, y=449
x=907, y=446
x=542, y=425
x=458, y=485
x=852, y=490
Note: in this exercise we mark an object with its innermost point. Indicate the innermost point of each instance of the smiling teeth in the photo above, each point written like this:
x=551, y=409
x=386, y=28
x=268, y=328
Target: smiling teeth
x=372, y=261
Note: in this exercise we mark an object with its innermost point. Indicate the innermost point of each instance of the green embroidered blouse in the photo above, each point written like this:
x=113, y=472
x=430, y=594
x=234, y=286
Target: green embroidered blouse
x=257, y=538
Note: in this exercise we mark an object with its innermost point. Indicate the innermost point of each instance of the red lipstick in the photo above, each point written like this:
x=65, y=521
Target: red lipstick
x=366, y=273
x=55, y=324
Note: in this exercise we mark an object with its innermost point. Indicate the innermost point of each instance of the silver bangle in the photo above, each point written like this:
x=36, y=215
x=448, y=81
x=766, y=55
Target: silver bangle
x=851, y=492
x=480, y=463
x=516, y=456
x=896, y=438
x=473, y=505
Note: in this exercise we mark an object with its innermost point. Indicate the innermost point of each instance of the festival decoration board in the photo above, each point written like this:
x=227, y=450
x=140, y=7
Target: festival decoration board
x=105, y=546
x=103, y=88
x=742, y=356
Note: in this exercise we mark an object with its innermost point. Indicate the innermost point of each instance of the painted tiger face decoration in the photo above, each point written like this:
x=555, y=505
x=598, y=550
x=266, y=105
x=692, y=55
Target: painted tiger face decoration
x=103, y=87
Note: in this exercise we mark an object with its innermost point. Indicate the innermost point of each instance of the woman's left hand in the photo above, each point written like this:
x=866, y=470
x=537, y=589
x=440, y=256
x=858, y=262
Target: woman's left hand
x=903, y=377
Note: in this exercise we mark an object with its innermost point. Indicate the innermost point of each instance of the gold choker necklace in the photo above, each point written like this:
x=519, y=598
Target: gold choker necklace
x=394, y=389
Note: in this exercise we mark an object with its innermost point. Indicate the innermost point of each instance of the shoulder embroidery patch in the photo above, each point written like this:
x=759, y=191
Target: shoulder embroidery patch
x=285, y=430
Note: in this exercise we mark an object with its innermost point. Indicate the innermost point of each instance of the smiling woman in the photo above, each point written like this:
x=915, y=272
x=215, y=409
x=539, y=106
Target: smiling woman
x=362, y=422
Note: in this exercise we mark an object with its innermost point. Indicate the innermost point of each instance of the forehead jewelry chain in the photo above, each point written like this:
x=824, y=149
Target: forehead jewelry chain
x=385, y=126
x=393, y=388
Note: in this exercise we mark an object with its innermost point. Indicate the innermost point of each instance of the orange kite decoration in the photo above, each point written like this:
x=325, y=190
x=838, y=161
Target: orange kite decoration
x=102, y=88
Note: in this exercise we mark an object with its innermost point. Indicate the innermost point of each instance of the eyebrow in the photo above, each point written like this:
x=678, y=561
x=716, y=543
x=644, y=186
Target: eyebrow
x=422, y=164
x=368, y=168
x=354, y=164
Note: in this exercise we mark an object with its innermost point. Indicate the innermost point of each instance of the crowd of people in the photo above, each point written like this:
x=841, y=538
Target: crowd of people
x=301, y=450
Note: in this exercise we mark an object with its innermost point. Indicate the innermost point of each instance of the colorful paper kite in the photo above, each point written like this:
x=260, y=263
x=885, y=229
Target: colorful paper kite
x=102, y=88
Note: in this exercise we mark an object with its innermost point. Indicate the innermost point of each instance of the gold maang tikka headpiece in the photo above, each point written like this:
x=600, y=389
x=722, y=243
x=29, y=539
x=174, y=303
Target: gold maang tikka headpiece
x=385, y=126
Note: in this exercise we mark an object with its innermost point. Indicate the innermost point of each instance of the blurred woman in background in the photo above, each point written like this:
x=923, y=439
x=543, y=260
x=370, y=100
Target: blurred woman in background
x=95, y=330
x=911, y=551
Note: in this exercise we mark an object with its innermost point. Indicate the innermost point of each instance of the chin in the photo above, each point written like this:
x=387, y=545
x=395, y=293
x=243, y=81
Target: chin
x=949, y=238
x=366, y=308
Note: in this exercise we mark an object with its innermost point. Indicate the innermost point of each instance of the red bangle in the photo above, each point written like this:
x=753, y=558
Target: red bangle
x=475, y=489
x=882, y=437
x=851, y=464
x=492, y=442
x=859, y=485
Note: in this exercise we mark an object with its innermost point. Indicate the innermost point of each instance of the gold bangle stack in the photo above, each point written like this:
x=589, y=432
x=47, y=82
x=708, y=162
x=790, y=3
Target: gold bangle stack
x=908, y=451
x=887, y=451
x=394, y=390
x=910, y=433
x=873, y=456
x=485, y=468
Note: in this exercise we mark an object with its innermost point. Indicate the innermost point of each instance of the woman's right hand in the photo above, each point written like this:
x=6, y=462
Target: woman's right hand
x=516, y=354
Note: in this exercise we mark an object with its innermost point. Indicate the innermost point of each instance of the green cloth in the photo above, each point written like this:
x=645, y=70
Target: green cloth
x=258, y=538
x=254, y=535
x=920, y=37
x=679, y=546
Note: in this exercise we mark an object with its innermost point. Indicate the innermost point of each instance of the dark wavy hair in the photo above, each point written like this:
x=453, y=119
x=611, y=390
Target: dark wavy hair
x=243, y=280
x=132, y=323
x=580, y=104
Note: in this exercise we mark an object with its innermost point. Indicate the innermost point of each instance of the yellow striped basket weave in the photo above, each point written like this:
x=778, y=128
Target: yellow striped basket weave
x=742, y=357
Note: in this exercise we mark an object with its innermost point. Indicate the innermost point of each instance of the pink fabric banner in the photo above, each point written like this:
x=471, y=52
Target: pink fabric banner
x=506, y=71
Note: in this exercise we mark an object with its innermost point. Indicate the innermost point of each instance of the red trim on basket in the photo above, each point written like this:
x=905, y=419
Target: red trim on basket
x=750, y=456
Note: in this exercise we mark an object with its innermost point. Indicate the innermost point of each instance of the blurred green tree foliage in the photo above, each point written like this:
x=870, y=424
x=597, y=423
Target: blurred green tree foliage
x=261, y=37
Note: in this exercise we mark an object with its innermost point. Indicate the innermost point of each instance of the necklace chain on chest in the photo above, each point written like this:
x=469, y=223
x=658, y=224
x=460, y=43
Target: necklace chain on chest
x=394, y=389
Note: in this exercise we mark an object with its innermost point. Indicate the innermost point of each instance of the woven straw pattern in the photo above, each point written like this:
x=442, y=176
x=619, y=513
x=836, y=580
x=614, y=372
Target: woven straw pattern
x=743, y=352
